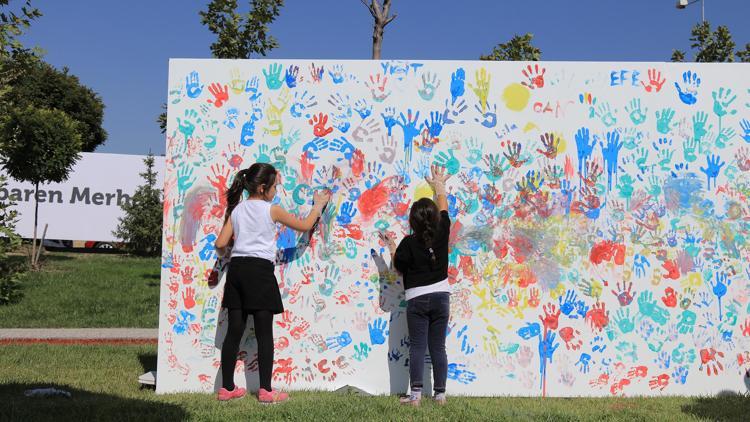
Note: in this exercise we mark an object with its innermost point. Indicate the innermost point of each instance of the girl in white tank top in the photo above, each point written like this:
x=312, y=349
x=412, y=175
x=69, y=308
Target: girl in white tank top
x=251, y=289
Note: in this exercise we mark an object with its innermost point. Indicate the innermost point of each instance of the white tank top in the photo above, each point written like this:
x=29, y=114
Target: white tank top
x=254, y=230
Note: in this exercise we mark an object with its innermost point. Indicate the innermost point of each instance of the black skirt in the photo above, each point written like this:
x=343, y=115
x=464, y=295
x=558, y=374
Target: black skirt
x=251, y=286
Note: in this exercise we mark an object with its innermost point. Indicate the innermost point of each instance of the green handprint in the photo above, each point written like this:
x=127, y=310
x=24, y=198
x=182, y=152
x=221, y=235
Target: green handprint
x=688, y=149
x=262, y=155
x=699, y=125
x=665, y=158
x=642, y=158
x=605, y=113
x=273, y=76
x=624, y=321
x=449, y=161
x=474, y=150
x=722, y=100
x=497, y=166
x=725, y=135
x=637, y=116
x=625, y=187
x=663, y=120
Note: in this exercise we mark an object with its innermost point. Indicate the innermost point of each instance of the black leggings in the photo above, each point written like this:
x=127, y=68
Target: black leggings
x=264, y=335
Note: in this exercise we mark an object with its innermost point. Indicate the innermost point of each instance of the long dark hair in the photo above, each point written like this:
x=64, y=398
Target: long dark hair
x=251, y=180
x=424, y=218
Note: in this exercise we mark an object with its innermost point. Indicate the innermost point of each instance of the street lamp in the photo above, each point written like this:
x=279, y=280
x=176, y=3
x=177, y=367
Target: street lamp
x=681, y=4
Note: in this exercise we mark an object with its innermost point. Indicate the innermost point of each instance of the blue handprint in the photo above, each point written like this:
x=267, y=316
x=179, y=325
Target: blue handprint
x=291, y=76
x=457, y=84
x=363, y=109
x=567, y=306
x=680, y=374
x=346, y=213
x=584, y=147
x=317, y=144
x=640, y=263
x=532, y=329
x=719, y=288
x=581, y=310
x=183, y=322
x=457, y=372
x=692, y=82
x=337, y=74
x=209, y=251
x=409, y=125
x=435, y=124
x=252, y=87
x=584, y=361
x=389, y=119
x=193, y=85
x=745, y=125
x=343, y=146
x=247, y=135
x=378, y=331
x=713, y=165
x=610, y=153
x=547, y=347
x=338, y=342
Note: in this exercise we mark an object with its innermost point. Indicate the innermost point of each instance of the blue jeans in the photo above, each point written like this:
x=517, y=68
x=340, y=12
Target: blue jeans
x=427, y=319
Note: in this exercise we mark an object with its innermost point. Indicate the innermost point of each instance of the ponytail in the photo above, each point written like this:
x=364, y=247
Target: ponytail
x=424, y=218
x=251, y=179
x=234, y=193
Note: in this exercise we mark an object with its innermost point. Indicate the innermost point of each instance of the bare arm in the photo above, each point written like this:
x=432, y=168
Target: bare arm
x=279, y=215
x=225, y=237
x=437, y=182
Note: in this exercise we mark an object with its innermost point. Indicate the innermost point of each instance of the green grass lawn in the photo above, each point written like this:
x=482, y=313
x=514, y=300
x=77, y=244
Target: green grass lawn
x=79, y=290
x=103, y=381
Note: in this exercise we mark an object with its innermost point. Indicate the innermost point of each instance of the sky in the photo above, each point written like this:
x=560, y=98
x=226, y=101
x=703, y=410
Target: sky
x=121, y=49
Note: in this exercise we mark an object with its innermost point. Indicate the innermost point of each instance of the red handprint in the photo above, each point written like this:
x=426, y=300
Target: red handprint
x=619, y=386
x=188, y=297
x=173, y=286
x=220, y=95
x=284, y=370
x=638, y=372
x=377, y=87
x=660, y=382
x=319, y=125
x=600, y=381
x=533, y=300
x=551, y=315
x=669, y=298
x=187, y=275
x=299, y=331
x=746, y=327
x=281, y=344
x=710, y=361
x=673, y=271
x=570, y=336
x=512, y=298
x=655, y=81
x=536, y=79
x=598, y=316
x=624, y=295
x=286, y=320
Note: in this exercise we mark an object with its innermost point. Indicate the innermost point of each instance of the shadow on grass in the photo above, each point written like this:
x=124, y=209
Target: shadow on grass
x=148, y=361
x=726, y=406
x=82, y=405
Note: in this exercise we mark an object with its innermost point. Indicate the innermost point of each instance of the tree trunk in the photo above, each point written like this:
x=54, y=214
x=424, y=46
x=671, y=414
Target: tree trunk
x=377, y=41
x=36, y=220
x=380, y=14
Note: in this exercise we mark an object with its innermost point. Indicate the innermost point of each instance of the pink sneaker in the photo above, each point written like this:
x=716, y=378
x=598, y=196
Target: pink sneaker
x=273, y=396
x=237, y=393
